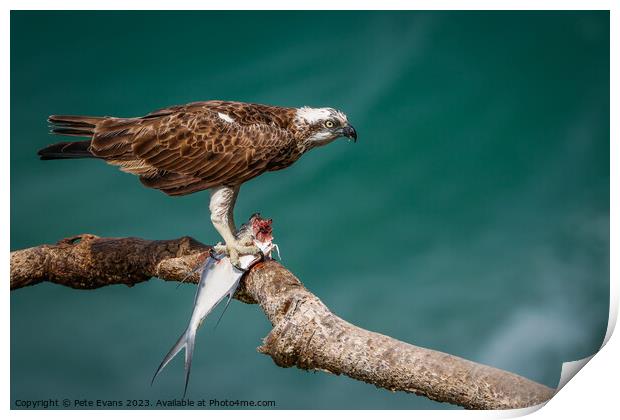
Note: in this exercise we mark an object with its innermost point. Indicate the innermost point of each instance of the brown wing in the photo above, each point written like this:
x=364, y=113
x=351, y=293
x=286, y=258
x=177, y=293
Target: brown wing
x=184, y=149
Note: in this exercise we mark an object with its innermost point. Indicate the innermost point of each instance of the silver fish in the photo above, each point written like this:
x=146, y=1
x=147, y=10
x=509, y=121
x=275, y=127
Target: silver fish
x=218, y=279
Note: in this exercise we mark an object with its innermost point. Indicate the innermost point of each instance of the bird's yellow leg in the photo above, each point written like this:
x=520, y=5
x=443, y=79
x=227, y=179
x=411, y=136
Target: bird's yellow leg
x=221, y=206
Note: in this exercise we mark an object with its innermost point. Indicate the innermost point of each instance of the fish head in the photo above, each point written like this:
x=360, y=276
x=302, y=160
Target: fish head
x=262, y=232
x=261, y=228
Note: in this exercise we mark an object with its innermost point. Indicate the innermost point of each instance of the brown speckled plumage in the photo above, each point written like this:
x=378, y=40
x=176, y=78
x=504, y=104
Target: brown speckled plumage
x=183, y=149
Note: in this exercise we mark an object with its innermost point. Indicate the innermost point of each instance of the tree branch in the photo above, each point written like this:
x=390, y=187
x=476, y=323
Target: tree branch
x=305, y=332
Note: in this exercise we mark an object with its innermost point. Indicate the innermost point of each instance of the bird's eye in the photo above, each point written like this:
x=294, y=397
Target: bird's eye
x=329, y=124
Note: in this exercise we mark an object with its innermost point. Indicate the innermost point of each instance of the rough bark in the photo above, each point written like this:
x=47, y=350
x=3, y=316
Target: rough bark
x=305, y=332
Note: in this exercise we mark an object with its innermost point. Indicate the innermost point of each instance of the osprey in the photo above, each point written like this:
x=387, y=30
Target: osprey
x=214, y=145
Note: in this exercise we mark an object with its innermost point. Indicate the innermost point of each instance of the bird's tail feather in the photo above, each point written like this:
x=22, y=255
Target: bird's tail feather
x=70, y=125
x=187, y=341
x=66, y=150
x=73, y=125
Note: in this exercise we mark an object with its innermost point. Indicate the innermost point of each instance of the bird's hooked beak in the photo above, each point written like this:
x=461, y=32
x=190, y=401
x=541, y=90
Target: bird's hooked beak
x=350, y=132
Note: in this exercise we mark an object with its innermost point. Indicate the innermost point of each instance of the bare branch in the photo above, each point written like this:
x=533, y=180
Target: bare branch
x=305, y=332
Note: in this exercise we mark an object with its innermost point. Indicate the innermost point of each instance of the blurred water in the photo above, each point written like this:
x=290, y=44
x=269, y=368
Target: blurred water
x=472, y=216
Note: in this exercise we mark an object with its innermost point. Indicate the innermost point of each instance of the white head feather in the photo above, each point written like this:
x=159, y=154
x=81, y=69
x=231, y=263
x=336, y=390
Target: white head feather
x=309, y=116
x=312, y=115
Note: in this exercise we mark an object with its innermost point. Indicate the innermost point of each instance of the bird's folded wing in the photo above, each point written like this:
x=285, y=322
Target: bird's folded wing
x=182, y=150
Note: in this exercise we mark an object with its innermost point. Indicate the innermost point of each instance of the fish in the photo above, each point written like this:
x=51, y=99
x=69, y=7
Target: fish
x=219, y=279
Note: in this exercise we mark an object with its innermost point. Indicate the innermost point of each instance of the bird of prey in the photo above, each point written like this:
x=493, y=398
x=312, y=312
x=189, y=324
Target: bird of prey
x=216, y=145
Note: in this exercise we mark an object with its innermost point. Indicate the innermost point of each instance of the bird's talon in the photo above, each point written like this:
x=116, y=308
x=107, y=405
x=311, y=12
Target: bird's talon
x=245, y=240
x=220, y=248
x=234, y=250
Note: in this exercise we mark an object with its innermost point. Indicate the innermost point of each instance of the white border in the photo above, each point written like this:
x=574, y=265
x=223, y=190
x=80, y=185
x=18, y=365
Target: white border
x=592, y=393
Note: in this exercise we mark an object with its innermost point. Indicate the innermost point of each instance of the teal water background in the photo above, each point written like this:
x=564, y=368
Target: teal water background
x=472, y=216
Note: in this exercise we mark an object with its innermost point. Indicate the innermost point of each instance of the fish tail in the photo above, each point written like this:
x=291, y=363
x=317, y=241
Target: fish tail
x=189, y=353
x=187, y=341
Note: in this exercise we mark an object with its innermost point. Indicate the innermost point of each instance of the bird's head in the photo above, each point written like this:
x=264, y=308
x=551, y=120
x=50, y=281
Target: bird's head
x=323, y=125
